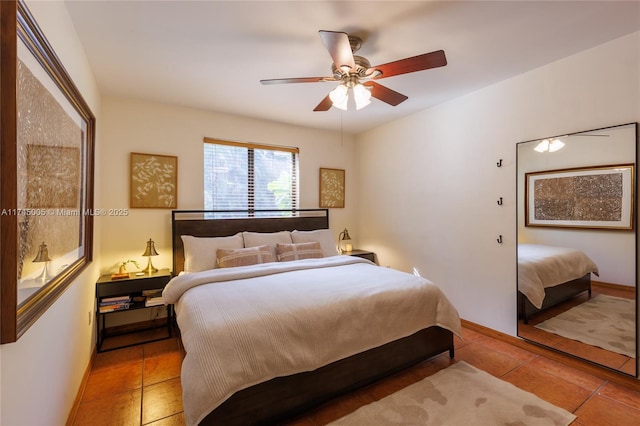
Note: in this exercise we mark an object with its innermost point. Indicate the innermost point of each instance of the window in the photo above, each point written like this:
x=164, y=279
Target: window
x=239, y=176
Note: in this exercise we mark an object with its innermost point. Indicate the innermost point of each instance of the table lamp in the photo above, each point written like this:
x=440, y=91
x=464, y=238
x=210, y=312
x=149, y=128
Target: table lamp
x=344, y=241
x=43, y=256
x=150, y=251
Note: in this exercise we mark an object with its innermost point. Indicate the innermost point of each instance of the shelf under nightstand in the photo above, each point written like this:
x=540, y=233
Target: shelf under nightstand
x=133, y=286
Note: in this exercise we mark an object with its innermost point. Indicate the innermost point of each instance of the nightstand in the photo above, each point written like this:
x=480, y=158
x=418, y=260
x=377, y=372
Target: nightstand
x=369, y=255
x=114, y=296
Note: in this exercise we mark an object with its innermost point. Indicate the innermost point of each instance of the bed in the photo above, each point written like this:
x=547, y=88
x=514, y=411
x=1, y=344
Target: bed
x=345, y=323
x=549, y=275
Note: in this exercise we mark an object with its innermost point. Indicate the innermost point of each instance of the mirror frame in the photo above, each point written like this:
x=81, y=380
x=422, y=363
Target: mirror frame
x=17, y=24
x=634, y=227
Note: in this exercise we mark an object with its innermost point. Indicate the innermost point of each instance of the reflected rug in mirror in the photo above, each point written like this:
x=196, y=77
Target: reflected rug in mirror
x=604, y=321
x=459, y=395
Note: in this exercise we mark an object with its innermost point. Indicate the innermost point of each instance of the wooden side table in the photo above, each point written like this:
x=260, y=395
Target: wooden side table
x=369, y=255
x=123, y=289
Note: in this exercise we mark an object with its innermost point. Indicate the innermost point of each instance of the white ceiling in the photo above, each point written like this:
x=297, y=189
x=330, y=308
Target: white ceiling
x=212, y=54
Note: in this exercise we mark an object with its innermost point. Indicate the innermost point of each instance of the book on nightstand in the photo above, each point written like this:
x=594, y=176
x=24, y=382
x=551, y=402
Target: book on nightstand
x=154, y=301
x=117, y=303
x=115, y=299
x=113, y=307
x=153, y=297
x=119, y=276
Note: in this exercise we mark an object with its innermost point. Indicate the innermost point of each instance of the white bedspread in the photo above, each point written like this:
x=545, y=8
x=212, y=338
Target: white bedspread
x=243, y=326
x=541, y=266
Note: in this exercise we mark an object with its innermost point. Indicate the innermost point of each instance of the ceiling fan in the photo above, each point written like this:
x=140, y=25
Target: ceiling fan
x=356, y=73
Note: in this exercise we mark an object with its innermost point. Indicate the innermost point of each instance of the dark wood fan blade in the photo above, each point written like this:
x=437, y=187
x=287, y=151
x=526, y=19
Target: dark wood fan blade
x=324, y=104
x=337, y=43
x=415, y=63
x=297, y=80
x=385, y=94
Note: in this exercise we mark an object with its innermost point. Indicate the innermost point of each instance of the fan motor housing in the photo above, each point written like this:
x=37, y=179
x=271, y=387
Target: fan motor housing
x=362, y=65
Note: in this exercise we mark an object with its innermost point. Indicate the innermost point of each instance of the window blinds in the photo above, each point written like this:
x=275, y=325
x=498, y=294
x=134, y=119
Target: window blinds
x=243, y=176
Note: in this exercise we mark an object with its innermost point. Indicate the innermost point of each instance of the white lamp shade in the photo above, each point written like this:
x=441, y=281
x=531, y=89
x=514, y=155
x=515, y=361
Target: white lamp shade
x=552, y=145
x=542, y=146
x=339, y=97
x=361, y=95
x=555, y=145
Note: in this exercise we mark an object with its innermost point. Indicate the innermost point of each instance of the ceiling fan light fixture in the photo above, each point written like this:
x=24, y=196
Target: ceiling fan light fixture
x=361, y=95
x=339, y=96
x=552, y=145
x=362, y=104
x=555, y=145
x=342, y=104
x=542, y=146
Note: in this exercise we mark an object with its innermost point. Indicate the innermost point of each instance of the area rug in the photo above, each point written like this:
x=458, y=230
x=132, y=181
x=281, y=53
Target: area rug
x=459, y=395
x=607, y=322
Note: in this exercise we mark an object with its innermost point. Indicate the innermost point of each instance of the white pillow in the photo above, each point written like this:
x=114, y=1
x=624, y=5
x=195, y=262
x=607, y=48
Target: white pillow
x=323, y=236
x=253, y=239
x=200, y=252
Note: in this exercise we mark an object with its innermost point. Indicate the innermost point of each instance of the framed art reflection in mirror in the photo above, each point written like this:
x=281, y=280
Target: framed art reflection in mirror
x=47, y=174
x=585, y=197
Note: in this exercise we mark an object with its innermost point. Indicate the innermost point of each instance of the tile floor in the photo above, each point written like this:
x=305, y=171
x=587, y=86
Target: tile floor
x=140, y=385
x=601, y=356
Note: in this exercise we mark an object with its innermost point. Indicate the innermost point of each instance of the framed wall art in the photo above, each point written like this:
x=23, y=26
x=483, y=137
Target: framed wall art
x=331, y=188
x=47, y=134
x=153, y=181
x=589, y=197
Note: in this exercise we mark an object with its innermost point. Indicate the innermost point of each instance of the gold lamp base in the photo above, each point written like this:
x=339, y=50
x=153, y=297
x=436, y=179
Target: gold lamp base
x=150, y=269
x=44, y=275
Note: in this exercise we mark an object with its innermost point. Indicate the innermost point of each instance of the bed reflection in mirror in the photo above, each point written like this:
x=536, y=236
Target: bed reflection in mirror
x=577, y=245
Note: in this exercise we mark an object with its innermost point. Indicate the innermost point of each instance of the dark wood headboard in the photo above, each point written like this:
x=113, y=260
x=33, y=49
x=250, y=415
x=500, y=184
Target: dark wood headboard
x=222, y=223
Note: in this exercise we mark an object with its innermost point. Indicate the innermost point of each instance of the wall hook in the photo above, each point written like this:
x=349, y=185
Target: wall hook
x=500, y=201
x=499, y=240
x=499, y=163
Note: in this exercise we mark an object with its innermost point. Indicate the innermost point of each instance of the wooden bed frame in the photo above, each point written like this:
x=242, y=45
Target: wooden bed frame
x=283, y=397
x=222, y=223
x=554, y=296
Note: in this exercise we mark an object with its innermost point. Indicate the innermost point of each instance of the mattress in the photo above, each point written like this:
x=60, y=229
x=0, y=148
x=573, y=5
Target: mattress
x=542, y=266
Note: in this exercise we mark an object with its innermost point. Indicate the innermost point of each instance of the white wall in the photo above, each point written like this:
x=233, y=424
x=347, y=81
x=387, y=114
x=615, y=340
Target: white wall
x=429, y=184
x=41, y=372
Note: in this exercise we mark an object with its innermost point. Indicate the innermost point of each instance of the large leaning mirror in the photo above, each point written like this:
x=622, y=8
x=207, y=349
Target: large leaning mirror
x=577, y=245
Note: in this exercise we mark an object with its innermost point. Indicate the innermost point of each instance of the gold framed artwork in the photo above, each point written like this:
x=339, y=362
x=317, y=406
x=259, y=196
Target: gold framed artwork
x=153, y=182
x=331, y=188
x=589, y=197
x=53, y=176
x=47, y=143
